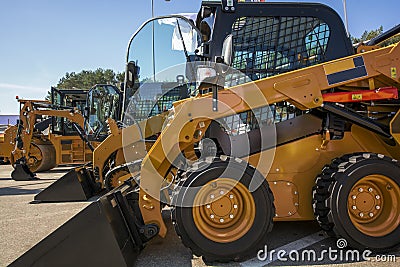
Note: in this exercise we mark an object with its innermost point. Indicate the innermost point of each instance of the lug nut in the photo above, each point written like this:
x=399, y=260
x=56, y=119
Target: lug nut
x=378, y=207
x=221, y=220
x=377, y=196
x=360, y=189
x=212, y=216
x=221, y=192
x=354, y=207
x=370, y=189
x=212, y=196
x=235, y=206
x=208, y=206
x=230, y=196
x=361, y=214
x=231, y=216
x=371, y=214
x=354, y=197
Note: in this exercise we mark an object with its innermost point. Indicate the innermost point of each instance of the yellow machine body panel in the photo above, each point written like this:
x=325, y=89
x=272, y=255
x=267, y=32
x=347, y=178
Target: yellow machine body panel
x=292, y=179
x=7, y=142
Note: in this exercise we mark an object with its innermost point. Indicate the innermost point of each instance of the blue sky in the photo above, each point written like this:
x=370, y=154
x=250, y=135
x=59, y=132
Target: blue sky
x=41, y=40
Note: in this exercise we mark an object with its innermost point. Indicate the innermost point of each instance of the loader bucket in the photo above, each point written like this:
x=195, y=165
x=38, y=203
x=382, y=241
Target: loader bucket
x=21, y=172
x=75, y=185
x=108, y=232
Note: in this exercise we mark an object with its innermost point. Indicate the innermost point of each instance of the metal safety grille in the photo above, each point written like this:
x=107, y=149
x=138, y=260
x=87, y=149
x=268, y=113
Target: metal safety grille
x=267, y=46
x=152, y=100
x=260, y=117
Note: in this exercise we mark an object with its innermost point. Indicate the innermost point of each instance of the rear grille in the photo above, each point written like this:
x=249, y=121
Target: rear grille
x=267, y=46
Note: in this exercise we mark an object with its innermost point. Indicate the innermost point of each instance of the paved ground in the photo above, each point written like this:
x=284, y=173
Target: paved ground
x=22, y=225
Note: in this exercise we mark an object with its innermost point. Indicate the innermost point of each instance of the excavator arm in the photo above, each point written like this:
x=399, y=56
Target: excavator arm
x=26, y=128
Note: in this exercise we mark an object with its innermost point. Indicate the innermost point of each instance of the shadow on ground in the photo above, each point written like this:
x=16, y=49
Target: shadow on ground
x=17, y=190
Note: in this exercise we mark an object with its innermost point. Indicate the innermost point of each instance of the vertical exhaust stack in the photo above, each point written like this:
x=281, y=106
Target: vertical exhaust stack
x=109, y=232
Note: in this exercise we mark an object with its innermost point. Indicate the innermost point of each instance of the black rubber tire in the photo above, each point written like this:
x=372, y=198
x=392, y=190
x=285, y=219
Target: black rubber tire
x=321, y=192
x=251, y=242
x=331, y=192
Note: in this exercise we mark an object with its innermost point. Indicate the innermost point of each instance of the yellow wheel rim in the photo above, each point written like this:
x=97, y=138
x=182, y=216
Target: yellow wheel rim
x=224, y=210
x=373, y=205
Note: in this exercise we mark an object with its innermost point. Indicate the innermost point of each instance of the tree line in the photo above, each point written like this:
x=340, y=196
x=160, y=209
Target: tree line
x=368, y=35
x=88, y=78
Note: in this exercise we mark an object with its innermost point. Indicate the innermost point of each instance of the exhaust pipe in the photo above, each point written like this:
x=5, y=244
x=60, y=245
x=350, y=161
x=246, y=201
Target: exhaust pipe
x=109, y=232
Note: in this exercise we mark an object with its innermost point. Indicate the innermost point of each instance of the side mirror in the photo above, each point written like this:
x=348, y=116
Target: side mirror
x=131, y=74
x=227, y=50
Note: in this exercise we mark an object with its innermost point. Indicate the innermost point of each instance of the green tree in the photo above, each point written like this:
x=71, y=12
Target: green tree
x=368, y=35
x=87, y=78
x=120, y=76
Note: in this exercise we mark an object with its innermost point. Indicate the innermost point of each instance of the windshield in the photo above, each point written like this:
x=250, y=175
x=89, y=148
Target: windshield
x=103, y=103
x=160, y=44
x=63, y=98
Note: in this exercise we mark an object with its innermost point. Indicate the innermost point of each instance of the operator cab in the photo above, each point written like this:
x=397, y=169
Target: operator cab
x=258, y=39
x=64, y=99
x=103, y=101
x=266, y=39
